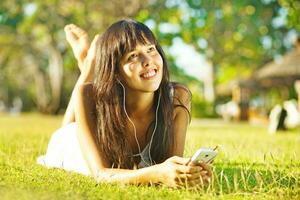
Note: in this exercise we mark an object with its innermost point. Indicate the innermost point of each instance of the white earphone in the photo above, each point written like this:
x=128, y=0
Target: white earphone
x=134, y=128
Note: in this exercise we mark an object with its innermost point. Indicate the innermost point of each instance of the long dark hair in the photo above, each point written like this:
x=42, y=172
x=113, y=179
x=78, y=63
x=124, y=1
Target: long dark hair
x=120, y=38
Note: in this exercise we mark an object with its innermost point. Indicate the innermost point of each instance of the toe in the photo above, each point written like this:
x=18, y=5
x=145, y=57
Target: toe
x=71, y=37
x=75, y=31
x=68, y=27
x=78, y=31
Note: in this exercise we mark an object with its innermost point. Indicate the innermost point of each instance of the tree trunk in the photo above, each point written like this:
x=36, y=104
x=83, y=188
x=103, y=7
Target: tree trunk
x=47, y=100
x=208, y=81
x=55, y=70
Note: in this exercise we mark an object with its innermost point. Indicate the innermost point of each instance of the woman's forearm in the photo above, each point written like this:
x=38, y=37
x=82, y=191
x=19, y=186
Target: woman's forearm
x=148, y=175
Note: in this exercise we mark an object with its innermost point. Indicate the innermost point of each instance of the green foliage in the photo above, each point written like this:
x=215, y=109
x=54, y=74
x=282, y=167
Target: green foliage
x=229, y=33
x=32, y=31
x=233, y=31
x=251, y=164
x=202, y=108
x=293, y=8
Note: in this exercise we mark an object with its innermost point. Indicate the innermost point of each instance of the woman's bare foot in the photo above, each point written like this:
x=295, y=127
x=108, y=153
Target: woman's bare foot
x=78, y=39
x=89, y=61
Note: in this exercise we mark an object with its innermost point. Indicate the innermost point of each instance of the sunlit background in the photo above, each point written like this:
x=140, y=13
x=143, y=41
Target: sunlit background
x=239, y=58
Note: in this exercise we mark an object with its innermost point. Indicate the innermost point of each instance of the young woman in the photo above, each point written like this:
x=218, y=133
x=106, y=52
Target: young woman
x=125, y=121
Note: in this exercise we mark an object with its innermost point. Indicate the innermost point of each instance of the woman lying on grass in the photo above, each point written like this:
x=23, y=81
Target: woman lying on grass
x=125, y=121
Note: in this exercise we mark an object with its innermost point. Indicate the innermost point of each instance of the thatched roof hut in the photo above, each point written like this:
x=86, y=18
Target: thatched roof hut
x=228, y=88
x=281, y=72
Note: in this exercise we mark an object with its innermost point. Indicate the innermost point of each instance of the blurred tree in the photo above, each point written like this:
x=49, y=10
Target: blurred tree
x=293, y=8
x=236, y=36
x=33, y=37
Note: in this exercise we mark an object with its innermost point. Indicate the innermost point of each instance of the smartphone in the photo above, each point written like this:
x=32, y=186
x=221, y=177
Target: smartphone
x=205, y=155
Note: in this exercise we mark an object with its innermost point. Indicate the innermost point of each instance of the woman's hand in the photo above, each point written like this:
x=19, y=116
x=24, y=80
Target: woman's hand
x=206, y=167
x=180, y=172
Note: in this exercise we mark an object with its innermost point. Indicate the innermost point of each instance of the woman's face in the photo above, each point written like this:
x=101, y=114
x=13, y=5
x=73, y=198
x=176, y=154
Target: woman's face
x=142, y=68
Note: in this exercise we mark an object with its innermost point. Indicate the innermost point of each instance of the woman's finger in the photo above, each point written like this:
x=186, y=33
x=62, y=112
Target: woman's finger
x=184, y=169
x=211, y=162
x=206, y=167
x=179, y=160
x=193, y=177
x=197, y=182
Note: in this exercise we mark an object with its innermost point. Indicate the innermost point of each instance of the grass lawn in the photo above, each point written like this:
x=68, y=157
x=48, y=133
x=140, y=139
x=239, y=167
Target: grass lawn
x=251, y=164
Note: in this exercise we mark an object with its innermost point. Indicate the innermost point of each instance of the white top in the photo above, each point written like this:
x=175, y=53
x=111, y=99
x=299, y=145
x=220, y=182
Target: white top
x=64, y=152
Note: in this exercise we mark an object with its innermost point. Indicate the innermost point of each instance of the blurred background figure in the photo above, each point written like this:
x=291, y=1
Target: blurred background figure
x=2, y=107
x=297, y=88
x=229, y=111
x=17, y=106
x=277, y=117
x=293, y=116
x=284, y=117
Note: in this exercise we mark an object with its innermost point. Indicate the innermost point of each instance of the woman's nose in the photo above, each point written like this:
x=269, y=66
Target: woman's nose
x=145, y=60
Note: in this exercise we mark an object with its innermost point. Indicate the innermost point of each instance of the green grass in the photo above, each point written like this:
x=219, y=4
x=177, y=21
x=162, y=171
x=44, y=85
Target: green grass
x=251, y=164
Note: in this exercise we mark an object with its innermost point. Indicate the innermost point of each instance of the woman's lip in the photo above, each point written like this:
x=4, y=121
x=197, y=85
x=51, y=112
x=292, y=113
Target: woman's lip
x=150, y=77
x=144, y=72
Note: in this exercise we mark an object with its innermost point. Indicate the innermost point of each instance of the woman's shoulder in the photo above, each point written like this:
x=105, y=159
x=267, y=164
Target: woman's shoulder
x=181, y=94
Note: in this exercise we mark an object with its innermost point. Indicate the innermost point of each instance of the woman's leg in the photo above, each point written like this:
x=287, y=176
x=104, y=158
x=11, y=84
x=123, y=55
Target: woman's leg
x=69, y=115
x=85, y=56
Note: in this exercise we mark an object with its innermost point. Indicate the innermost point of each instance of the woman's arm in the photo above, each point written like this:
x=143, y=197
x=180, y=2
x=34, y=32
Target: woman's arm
x=182, y=111
x=182, y=117
x=127, y=176
x=172, y=172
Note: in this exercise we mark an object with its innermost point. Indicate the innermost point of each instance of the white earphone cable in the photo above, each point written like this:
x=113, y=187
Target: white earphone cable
x=154, y=128
x=134, y=128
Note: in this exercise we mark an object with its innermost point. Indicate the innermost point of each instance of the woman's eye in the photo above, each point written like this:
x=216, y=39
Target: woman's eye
x=150, y=49
x=132, y=56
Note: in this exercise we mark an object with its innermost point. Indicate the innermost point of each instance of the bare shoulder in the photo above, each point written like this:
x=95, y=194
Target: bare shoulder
x=182, y=115
x=182, y=96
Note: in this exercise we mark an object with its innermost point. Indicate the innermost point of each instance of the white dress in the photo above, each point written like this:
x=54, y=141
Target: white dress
x=64, y=152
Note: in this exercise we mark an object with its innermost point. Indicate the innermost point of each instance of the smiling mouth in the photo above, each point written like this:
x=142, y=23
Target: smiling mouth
x=149, y=74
